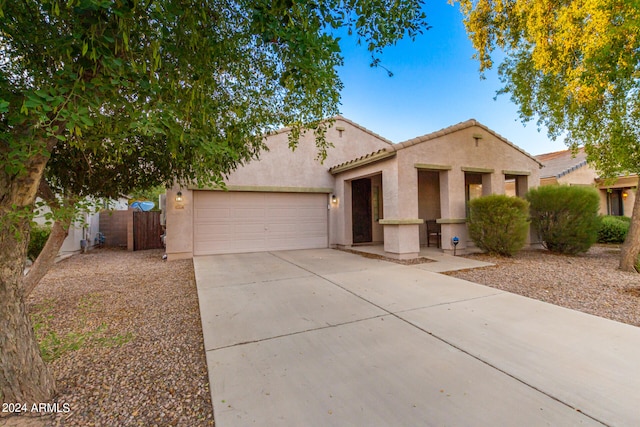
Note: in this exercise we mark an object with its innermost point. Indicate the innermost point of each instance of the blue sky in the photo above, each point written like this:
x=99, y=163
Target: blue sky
x=436, y=84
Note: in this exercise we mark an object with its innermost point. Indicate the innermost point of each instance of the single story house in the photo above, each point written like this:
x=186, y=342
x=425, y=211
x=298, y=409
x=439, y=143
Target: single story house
x=569, y=168
x=368, y=191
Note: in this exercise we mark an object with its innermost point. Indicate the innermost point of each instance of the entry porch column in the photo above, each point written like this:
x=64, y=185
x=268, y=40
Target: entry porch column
x=402, y=237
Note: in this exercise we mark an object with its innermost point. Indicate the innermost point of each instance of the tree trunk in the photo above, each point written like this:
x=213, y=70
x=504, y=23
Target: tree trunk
x=24, y=377
x=631, y=246
x=47, y=257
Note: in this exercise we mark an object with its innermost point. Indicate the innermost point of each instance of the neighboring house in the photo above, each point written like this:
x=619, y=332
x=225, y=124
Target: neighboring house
x=368, y=191
x=86, y=228
x=565, y=167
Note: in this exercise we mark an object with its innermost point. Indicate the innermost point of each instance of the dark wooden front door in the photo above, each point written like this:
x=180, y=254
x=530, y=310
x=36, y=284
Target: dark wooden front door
x=361, y=210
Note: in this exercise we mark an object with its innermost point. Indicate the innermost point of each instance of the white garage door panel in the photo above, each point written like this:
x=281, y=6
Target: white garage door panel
x=252, y=222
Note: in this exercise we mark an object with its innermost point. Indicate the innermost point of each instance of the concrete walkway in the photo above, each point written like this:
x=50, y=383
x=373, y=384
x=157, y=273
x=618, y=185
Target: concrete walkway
x=328, y=338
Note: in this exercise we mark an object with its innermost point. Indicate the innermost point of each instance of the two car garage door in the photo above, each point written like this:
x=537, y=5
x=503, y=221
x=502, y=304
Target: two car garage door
x=233, y=222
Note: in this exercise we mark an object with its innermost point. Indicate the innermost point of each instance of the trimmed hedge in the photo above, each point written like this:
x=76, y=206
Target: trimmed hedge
x=613, y=229
x=565, y=217
x=499, y=224
x=37, y=239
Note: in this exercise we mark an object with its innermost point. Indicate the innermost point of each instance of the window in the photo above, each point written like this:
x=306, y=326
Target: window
x=515, y=185
x=473, y=188
x=510, y=187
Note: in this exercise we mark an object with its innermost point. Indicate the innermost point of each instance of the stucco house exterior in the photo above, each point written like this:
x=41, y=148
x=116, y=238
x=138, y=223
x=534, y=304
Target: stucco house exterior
x=368, y=191
x=569, y=168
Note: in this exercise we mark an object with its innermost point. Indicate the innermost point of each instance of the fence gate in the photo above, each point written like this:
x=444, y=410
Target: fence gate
x=146, y=230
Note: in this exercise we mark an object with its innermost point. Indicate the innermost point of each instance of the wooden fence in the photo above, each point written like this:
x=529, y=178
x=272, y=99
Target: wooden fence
x=147, y=230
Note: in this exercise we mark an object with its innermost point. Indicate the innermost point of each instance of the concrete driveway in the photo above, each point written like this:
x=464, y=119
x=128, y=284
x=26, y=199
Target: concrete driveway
x=328, y=338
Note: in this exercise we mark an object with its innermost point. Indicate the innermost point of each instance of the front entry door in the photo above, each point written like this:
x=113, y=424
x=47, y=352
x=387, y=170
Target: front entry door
x=615, y=203
x=361, y=210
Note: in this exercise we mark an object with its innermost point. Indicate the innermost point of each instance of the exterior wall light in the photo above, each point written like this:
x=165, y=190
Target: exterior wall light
x=334, y=199
x=625, y=194
x=179, y=196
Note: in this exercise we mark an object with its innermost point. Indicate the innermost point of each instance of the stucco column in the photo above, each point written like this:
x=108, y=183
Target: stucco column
x=401, y=223
x=408, y=196
x=179, y=223
x=343, y=235
x=402, y=238
x=452, y=208
x=390, y=192
x=492, y=183
x=522, y=185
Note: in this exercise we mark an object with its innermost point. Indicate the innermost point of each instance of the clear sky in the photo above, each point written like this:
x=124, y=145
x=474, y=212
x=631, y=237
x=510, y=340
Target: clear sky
x=436, y=84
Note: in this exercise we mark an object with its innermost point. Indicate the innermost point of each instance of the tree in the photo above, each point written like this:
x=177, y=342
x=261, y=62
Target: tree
x=565, y=217
x=99, y=95
x=574, y=66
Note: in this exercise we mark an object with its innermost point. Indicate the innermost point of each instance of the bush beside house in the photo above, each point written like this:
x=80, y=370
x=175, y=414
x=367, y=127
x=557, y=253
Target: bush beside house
x=566, y=218
x=498, y=223
x=613, y=229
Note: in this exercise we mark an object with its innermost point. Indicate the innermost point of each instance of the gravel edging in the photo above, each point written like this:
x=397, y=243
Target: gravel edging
x=142, y=361
x=590, y=282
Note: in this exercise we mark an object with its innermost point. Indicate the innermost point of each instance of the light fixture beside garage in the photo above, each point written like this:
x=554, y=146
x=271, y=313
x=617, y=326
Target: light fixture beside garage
x=334, y=199
x=625, y=194
x=179, y=196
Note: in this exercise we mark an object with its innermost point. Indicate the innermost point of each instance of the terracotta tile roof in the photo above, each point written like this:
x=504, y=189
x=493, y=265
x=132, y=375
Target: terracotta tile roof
x=381, y=154
x=560, y=163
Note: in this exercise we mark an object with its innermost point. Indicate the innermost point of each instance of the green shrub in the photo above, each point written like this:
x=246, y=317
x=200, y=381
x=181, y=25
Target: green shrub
x=498, y=223
x=566, y=218
x=613, y=229
x=37, y=240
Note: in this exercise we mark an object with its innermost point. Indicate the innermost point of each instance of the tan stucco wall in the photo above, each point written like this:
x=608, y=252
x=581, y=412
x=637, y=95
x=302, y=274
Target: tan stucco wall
x=401, y=227
x=179, y=225
x=377, y=228
x=459, y=151
x=629, y=203
x=585, y=175
x=280, y=166
x=279, y=169
x=447, y=156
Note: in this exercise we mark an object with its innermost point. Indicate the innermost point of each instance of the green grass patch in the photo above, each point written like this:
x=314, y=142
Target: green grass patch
x=54, y=344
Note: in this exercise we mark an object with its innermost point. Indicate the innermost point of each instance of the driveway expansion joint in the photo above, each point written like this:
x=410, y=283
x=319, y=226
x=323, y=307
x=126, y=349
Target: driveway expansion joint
x=329, y=326
x=408, y=310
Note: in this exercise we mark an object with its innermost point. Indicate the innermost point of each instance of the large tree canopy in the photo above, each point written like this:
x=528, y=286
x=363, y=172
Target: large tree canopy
x=100, y=96
x=575, y=67
x=197, y=82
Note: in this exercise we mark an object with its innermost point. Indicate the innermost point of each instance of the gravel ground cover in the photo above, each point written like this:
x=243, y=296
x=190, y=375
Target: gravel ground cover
x=123, y=332
x=135, y=322
x=591, y=282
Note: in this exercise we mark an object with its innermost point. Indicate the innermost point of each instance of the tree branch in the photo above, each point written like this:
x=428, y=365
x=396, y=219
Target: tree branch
x=59, y=233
